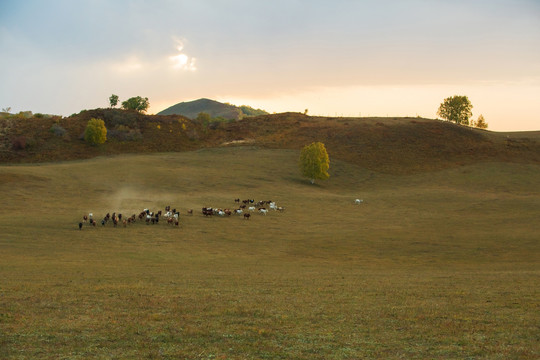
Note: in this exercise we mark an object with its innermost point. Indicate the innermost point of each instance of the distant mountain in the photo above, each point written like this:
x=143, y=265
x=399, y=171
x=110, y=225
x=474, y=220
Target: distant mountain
x=214, y=108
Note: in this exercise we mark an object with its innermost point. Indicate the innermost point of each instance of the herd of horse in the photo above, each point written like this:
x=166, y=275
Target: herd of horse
x=171, y=216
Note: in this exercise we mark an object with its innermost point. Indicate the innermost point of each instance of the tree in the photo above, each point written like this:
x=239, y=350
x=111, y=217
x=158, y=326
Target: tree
x=249, y=111
x=457, y=109
x=203, y=118
x=314, y=162
x=113, y=100
x=95, y=132
x=481, y=123
x=136, y=103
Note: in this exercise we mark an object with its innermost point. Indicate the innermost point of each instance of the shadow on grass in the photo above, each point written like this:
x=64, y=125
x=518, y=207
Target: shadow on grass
x=306, y=182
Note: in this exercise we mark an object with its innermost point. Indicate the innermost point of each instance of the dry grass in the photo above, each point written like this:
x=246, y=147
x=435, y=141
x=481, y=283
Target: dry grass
x=386, y=145
x=434, y=265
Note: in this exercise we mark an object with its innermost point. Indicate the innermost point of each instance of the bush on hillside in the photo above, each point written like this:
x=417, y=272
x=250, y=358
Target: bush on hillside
x=193, y=134
x=21, y=115
x=96, y=132
x=125, y=118
x=58, y=130
x=249, y=111
x=125, y=133
x=19, y=143
x=211, y=123
x=203, y=118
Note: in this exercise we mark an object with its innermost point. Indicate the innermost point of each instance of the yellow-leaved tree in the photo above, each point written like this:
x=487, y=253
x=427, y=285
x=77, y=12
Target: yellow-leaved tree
x=314, y=162
x=481, y=123
x=95, y=132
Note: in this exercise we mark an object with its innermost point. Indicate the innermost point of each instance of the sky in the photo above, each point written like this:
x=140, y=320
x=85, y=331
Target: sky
x=331, y=57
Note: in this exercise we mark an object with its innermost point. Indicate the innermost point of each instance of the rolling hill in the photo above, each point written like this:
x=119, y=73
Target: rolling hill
x=389, y=145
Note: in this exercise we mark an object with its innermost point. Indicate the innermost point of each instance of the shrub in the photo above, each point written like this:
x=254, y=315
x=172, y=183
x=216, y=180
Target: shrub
x=57, y=130
x=21, y=115
x=124, y=133
x=192, y=134
x=117, y=118
x=19, y=143
x=213, y=125
x=133, y=135
x=203, y=118
x=96, y=132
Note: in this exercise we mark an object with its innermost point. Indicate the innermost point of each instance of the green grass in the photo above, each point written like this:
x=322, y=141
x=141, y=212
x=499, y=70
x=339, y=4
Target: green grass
x=437, y=265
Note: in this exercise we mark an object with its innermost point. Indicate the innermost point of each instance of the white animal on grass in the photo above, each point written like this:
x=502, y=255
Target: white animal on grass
x=358, y=201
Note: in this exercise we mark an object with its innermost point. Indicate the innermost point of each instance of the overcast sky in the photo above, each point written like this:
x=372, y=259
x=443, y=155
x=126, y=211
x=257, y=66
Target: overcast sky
x=332, y=57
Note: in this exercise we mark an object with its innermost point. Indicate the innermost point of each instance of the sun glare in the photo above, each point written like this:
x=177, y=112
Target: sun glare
x=181, y=61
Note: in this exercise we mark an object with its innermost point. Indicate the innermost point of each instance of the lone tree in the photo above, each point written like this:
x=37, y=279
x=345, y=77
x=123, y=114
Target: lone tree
x=481, y=122
x=457, y=109
x=136, y=103
x=113, y=100
x=314, y=162
x=95, y=132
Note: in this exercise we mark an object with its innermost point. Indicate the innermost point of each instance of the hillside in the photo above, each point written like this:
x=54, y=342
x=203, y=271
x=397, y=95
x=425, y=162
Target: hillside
x=215, y=109
x=388, y=145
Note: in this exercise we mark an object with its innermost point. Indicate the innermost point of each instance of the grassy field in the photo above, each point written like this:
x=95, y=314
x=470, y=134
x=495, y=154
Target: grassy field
x=439, y=265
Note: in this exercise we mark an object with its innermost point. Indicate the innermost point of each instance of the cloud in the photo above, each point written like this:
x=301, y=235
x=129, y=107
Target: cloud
x=149, y=62
x=182, y=61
